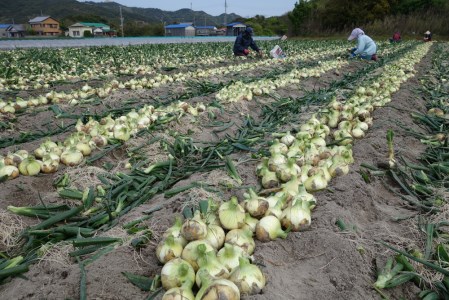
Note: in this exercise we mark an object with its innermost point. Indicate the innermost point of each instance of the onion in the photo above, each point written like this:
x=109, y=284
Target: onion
x=177, y=273
x=343, y=136
x=276, y=160
x=260, y=168
x=29, y=166
x=14, y=159
x=195, y=228
x=231, y=214
x=288, y=139
x=49, y=165
x=290, y=188
x=8, y=171
x=250, y=223
x=168, y=249
x=213, y=288
x=303, y=195
x=175, y=231
x=179, y=293
x=229, y=256
x=338, y=167
x=269, y=179
x=208, y=261
x=84, y=148
x=269, y=228
x=274, y=199
x=248, y=278
x=98, y=141
x=256, y=206
x=242, y=238
x=122, y=132
x=190, y=252
x=297, y=215
x=40, y=152
x=334, y=118
x=71, y=157
x=286, y=171
x=316, y=182
x=215, y=236
x=276, y=210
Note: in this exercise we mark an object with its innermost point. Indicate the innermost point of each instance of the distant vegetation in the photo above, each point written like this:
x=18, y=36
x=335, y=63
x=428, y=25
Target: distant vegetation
x=307, y=17
x=267, y=26
x=138, y=21
x=411, y=17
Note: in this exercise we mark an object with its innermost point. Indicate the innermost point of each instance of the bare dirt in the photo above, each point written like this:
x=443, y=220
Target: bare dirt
x=322, y=262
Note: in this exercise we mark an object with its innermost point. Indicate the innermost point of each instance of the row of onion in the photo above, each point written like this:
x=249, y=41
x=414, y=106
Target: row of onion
x=213, y=251
x=245, y=91
x=92, y=135
x=86, y=92
x=39, y=75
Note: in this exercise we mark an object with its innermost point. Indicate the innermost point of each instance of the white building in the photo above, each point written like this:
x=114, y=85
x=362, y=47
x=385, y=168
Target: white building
x=96, y=29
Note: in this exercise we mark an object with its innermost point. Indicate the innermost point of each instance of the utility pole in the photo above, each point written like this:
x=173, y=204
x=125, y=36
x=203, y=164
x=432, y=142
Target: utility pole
x=194, y=16
x=121, y=22
x=226, y=13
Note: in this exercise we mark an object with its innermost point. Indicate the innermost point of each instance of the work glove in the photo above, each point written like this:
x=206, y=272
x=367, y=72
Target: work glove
x=246, y=51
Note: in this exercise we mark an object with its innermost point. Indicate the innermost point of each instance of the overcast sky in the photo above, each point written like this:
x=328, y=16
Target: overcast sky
x=244, y=8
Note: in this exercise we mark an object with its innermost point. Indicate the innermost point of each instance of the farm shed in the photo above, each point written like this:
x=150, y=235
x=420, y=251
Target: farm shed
x=205, y=30
x=184, y=29
x=3, y=28
x=15, y=31
x=234, y=29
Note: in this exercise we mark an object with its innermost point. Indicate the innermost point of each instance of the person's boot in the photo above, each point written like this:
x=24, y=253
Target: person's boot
x=374, y=57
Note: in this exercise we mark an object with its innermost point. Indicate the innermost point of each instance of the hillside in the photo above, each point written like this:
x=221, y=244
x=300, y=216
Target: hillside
x=23, y=10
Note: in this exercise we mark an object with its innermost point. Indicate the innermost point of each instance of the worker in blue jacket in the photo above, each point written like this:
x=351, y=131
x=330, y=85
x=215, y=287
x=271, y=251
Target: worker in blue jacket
x=366, y=47
x=245, y=40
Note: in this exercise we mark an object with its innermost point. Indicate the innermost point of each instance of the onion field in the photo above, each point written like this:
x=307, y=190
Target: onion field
x=182, y=172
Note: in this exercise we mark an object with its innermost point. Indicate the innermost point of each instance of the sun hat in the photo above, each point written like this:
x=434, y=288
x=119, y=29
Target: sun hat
x=355, y=34
x=427, y=32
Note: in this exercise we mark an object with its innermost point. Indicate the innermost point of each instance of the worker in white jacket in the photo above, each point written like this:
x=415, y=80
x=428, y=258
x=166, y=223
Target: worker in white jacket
x=366, y=47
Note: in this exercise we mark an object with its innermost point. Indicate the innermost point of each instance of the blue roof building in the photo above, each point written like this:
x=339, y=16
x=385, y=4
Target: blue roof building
x=183, y=29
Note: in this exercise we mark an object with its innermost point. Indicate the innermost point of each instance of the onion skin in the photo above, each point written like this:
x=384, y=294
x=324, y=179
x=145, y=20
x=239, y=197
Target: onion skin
x=231, y=214
x=177, y=273
x=10, y=171
x=241, y=238
x=178, y=293
x=297, y=216
x=215, y=236
x=168, y=249
x=216, y=289
x=248, y=278
x=263, y=231
x=194, y=229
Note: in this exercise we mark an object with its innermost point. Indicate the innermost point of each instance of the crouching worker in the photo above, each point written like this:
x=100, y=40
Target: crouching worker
x=427, y=36
x=245, y=40
x=396, y=38
x=366, y=47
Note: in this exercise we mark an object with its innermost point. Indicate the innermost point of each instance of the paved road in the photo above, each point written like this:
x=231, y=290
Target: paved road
x=86, y=42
